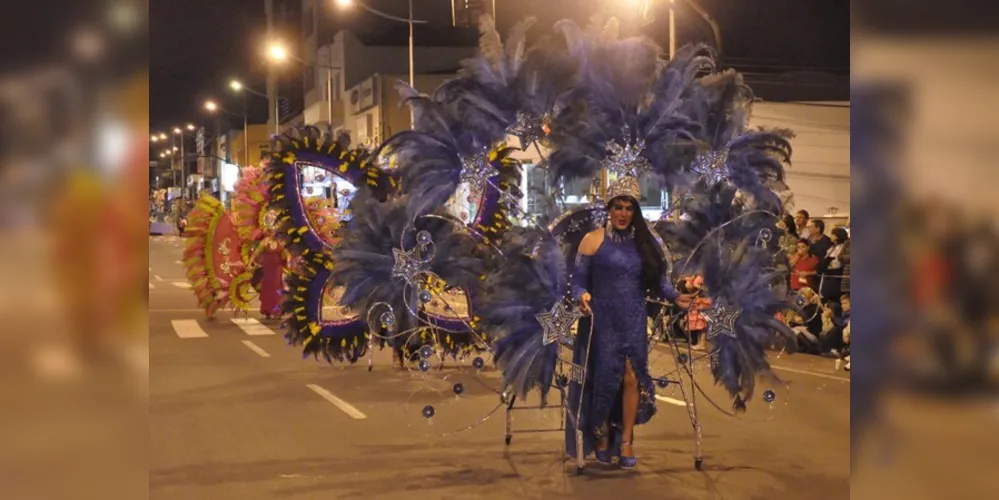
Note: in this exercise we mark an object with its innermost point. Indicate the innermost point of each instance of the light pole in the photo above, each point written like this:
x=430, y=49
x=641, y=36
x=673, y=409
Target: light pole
x=212, y=107
x=279, y=54
x=411, y=22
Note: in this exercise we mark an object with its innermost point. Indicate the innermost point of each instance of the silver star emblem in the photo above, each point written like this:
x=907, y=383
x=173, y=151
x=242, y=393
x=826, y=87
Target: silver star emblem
x=557, y=323
x=713, y=166
x=528, y=129
x=407, y=265
x=508, y=199
x=476, y=171
x=626, y=159
x=721, y=320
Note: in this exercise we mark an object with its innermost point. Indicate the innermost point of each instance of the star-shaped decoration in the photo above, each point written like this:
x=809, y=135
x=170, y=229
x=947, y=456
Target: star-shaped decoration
x=713, y=166
x=407, y=265
x=508, y=199
x=477, y=170
x=626, y=159
x=557, y=323
x=721, y=320
x=529, y=128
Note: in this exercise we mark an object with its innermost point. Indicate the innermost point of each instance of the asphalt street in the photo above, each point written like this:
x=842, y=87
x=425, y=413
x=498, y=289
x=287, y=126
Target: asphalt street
x=236, y=413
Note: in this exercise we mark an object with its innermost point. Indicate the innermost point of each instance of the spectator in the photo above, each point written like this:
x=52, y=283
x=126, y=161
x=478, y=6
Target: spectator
x=801, y=223
x=844, y=258
x=819, y=242
x=789, y=241
x=695, y=322
x=804, y=267
x=831, y=283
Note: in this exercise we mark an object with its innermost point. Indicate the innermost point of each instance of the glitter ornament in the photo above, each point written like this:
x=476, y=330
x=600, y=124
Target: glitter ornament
x=769, y=396
x=424, y=366
x=429, y=411
x=425, y=296
x=662, y=382
x=458, y=389
x=426, y=351
x=423, y=238
x=387, y=318
x=682, y=358
x=478, y=363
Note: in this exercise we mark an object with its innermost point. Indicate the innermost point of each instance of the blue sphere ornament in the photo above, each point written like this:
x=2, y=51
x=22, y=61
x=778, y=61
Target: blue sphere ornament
x=766, y=235
x=478, y=363
x=424, y=366
x=769, y=396
x=800, y=301
x=429, y=411
x=682, y=358
x=388, y=318
x=426, y=351
x=425, y=296
x=662, y=382
x=458, y=388
x=423, y=238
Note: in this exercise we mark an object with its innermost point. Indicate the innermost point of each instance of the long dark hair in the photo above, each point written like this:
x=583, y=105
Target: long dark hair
x=653, y=264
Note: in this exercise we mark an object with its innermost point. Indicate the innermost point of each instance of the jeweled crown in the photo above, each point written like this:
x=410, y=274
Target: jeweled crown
x=625, y=185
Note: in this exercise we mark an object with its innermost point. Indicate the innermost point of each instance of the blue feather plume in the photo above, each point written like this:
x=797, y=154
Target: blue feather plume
x=532, y=278
x=364, y=258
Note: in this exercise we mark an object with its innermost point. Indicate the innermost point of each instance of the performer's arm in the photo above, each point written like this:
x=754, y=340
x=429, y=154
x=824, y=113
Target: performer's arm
x=581, y=275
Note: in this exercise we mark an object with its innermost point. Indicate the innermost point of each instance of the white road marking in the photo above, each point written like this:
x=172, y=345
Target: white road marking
x=181, y=284
x=157, y=277
x=188, y=329
x=252, y=327
x=255, y=348
x=671, y=401
x=339, y=403
x=803, y=372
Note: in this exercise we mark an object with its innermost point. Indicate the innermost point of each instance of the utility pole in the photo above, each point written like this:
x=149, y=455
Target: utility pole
x=272, y=92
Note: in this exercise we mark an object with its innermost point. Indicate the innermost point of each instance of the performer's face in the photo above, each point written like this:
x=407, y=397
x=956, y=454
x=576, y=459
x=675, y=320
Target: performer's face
x=622, y=212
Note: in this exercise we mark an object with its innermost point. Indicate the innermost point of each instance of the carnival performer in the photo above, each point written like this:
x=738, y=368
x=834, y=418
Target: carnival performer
x=617, y=267
x=272, y=259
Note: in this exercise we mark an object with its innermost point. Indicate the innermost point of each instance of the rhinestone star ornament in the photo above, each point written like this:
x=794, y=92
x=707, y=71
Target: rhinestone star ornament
x=407, y=265
x=529, y=128
x=476, y=171
x=557, y=323
x=721, y=320
x=713, y=166
x=626, y=159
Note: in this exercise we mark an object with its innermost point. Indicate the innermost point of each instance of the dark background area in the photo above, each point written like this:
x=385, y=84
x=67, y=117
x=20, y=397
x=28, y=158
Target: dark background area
x=196, y=47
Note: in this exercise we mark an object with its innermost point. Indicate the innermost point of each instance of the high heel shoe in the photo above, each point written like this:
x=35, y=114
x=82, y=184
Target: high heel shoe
x=604, y=456
x=628, y=462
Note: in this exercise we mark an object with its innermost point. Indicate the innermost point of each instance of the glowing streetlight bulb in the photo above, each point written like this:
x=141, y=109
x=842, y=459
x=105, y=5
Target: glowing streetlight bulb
x=154, y=138
x=176, y=130
x=163, y=136
x=278, y=53
x=190, y=127
x=211, y=106
x=175, y=148
x=345, y=3
x=236, y=85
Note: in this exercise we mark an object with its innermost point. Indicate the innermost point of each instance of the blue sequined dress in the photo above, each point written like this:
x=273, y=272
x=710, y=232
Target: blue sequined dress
x=613, y=276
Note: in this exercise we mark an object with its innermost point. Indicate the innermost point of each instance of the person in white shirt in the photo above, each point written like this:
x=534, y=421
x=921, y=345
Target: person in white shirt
x=801, y=220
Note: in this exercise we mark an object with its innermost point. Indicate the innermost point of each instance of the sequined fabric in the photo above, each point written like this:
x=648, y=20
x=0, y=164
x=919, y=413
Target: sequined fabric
x=613, y=276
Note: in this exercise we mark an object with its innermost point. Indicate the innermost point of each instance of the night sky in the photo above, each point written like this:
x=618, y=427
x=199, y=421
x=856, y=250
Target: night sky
x=196, y=46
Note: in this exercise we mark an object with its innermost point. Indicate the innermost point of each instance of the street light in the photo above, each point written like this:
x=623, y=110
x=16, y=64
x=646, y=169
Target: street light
x=177, y=131
x=190, y=127
x=163, y=136
x=236, y=85
x=277, y=52
x=410, y=21
x=154, y=138
x=211, y=106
